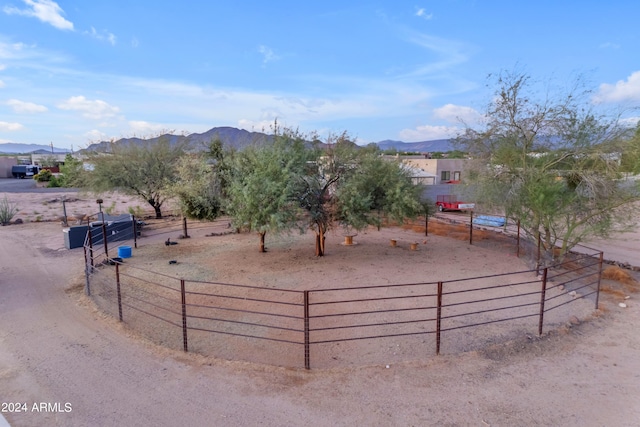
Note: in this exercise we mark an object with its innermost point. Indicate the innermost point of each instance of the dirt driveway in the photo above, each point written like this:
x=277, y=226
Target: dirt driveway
x=87, y=369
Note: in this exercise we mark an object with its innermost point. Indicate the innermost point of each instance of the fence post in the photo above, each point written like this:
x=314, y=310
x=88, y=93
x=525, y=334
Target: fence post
x=599, y=278
x=518, y=241
x=104, y=238
x=87, y=289
x=118, y=289
x=471, y=227
x=307, y=353
x=135, y=231
x=90, y=245
x=538, y=256
x=438, y=318
x=184, y=316
x=542, y=299
x=184, y=227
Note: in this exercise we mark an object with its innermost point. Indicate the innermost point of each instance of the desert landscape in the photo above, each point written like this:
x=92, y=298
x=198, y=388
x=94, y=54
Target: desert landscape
x=58, y=346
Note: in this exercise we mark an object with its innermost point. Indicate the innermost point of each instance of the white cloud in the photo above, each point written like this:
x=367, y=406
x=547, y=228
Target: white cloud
x=2, y=84
x=609, y=45
x=456, y=113
x=623, y=90
x=96, y=109
x=46, y=11
x=265, y=126
x=268, y=55
x=26, y=107
x=2, y=67
x=423, y=14
x=95, y=135
x=143, y=129
x=630, y=121
x=6, y=126
x=102, y=36
x=449, y=53
x=428, y=133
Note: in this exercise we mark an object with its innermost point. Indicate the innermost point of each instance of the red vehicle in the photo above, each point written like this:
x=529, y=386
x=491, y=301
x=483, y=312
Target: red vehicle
x=449, y=202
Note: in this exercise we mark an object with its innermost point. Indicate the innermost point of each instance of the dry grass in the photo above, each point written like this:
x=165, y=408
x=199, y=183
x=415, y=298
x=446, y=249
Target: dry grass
x=621, y=282
x=621, y=276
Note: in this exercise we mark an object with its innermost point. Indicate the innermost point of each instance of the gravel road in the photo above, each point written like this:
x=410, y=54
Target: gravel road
x=72, y=366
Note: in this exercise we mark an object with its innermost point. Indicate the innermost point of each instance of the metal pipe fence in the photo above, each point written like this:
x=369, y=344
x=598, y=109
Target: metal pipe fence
x=323, y=327
x=297, y=327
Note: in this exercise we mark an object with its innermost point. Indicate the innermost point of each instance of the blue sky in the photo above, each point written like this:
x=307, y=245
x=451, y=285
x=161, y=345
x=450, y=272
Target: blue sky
x=76, y=72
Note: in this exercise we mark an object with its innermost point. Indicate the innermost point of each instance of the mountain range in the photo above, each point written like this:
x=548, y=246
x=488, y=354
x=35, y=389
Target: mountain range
x=230, y=137
x=17, y=148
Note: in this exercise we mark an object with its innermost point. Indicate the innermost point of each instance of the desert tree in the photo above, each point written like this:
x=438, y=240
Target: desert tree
x=72, y=172
x=377, y=188
x=146, y=169
x=202, y=181
x=315, y=190
x=353, y=187
x=260, y=185
x=550, y=161
x=630, y=162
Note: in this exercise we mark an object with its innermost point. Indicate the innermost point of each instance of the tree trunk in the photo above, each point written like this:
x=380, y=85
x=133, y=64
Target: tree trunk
x=319, y=251
x=262, y=248
x=319, y=239
x=156, y=207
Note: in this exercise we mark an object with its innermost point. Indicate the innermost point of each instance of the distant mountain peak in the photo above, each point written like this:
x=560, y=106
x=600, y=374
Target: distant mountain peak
x=240, y=138
x=18, y=148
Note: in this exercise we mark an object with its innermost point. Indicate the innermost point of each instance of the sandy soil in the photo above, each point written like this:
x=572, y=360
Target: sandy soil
x=57, y=348
x=49, y=207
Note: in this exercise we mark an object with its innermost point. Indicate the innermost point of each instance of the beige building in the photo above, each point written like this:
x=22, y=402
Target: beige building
x=445, y=171
x=39, y=159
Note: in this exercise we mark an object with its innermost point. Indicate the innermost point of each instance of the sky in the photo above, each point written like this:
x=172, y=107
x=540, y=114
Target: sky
x=77, y=72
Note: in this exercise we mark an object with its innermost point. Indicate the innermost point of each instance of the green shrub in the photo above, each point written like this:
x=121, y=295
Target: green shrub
x=110, y=210
x=44, y=176
x=55, y=182
x=138, y=212
x=7, y=211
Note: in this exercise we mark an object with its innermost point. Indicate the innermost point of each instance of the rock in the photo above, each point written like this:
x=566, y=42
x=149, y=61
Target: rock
x=387, y=366
x=561, y=287
x=573, y=293
x=18, y=221
x=574, y=320
x=627, y=297
x=622, y=305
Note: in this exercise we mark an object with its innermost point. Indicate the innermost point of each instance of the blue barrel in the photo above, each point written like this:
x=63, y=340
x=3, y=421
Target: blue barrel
x=124, y=252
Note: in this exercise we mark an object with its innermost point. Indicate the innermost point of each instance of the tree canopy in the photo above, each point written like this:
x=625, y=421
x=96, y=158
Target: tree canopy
x=147, y=170
x=296, y=184
x=261, y=183
x=551, y=162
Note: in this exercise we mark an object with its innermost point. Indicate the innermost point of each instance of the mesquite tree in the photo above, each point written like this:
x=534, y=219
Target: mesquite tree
x=145, y=168
x=551, y=162
x=259, y=193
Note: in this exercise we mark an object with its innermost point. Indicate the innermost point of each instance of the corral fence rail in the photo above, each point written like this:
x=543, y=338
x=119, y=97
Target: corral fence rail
x=311, y=323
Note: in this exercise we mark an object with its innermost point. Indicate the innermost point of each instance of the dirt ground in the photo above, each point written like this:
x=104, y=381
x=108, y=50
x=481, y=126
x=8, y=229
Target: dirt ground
x=56, y=348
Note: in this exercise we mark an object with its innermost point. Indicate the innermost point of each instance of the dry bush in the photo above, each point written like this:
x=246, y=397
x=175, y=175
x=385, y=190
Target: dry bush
x=618, y=276
x=621, y=276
